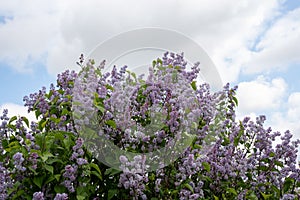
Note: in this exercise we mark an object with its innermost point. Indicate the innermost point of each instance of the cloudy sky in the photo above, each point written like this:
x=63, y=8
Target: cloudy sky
x=254, y=44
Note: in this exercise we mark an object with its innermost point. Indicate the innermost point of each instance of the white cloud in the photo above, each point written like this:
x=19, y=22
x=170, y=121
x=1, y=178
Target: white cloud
x=294, y=107
x=17, y=110
x=261, y=95
x=278, y=48
x=290, y=118
x=230, y=41
x=62, y=29
x=224, y=28
x=26, y=38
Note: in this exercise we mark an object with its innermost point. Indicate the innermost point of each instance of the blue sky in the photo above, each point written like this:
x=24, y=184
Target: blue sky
x=15, y=85
x=254, y=44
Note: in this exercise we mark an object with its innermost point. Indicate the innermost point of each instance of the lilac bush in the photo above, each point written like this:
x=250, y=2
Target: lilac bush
x=226, y=158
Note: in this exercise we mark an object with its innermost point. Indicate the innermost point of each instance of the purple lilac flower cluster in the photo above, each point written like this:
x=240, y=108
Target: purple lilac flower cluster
x=246, y=156
x=134, y=102
x=78, y=153
x=5, y=181
x=41, y=103
x=38, y=196
x=71, y=171
x=3, y=127
x=18, y=161
x=70, y=175
x=5, y=178
x=231, y=150
x=60, y=98
x=62, y=196
x=227, y=158
x=83, y=96
x=134, y=176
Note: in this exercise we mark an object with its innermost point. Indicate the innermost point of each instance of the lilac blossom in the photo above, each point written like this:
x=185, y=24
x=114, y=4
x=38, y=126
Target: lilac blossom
x=5, y=182
x=134, y=176
x=18, y=161
x=38, y=196
x=62, y=196
x=70, y=175
x=227, y=156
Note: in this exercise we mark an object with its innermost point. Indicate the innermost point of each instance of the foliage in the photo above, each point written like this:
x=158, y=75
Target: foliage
x=227, y=158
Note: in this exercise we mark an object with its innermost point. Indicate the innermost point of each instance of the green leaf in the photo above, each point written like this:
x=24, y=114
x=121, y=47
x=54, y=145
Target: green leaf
x=266, y=196
x=109, y=87
x=188, y=186
x=133, y=75
x=59, y=188
x=226, y=141
x=197, y=146
x=37, y=114
x=206, y=166
x=265, y=160
x=194, y=86
x=14, y=144
x=50, y=179
x=80, y=197
x=49, y=168
x=96, y=167
x=46, y=155
x=50, y=94
x=43, y=123
x=58, y=135
x=263, y=168
x=57, y=176
x=13, y=147
x=159, y=61
x=39, y=139
x=111, y=123
x=272, y=154
x=287, y=184
x=50, y=161
x=247, y=145
x=96, y=174
x=68, y=142
x=60, y=91
x=14, y=188
x=241, y=132
x=232, y=191
x=64, y=111
x=111, y=193
x=33, y=170
x=111, y=171
x=81, y=190
x=251, y=195
x=18, y=194
x=12, y=119
x=278, y=163
x=235, y=100
x=49, y=141
x=153, y=63
x=100, y=107
x=38, y=180
x=26, y=121
x=177, y=67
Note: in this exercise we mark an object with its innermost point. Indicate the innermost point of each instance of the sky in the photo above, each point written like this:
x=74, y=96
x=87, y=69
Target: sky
x=254, y=44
